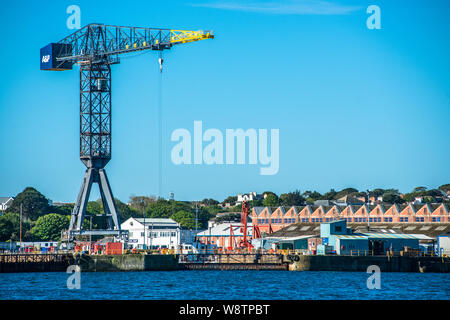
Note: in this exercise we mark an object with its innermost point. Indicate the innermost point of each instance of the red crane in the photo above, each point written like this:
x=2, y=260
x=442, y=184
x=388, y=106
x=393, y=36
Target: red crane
x=244, y=243
x=244, y=217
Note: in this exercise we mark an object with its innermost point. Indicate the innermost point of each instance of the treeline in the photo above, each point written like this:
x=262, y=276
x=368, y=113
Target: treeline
x=42, y=221
x=297, y=198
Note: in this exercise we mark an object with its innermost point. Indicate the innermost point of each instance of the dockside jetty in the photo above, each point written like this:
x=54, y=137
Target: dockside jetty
x=239, y=261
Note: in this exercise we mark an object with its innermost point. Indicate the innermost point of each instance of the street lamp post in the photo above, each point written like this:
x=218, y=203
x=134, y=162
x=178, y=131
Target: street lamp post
x=368, y=208
x=145, y=239
x=151, y=238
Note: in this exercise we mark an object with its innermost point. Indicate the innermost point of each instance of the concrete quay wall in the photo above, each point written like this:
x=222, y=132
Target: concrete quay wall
x=361, y=263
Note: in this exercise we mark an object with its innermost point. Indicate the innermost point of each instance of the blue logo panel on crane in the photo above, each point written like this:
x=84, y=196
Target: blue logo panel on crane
x=50, y=52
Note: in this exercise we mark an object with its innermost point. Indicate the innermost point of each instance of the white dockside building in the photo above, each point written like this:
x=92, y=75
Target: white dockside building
x=156, y=233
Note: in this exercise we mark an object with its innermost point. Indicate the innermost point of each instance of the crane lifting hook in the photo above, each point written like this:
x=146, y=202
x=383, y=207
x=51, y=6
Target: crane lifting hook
x=160, y=60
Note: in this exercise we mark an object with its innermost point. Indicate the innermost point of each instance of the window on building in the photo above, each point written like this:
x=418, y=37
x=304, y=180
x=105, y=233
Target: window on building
x=142, y=234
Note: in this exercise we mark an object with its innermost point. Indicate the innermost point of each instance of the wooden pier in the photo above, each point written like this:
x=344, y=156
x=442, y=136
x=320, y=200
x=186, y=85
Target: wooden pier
x=232, y=261
x=26, y=262
x=234, y=266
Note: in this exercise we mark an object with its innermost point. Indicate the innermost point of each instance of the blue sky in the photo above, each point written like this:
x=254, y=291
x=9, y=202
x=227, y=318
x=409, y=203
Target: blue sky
x=355, y=107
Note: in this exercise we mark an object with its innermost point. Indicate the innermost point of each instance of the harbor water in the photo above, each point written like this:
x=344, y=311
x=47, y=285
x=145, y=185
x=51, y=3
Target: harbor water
x=234, y=285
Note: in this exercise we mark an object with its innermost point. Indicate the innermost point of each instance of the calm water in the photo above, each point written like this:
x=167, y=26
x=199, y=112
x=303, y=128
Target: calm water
x=224, y=285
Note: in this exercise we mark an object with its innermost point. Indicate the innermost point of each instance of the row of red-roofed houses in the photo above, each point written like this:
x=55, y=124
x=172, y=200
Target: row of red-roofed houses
x=280, y=217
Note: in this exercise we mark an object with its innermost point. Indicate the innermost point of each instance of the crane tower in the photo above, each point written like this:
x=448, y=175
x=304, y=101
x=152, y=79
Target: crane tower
x=95, y=48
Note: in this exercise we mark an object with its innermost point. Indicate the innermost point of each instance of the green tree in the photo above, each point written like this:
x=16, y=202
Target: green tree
x=11, y=218
x=314, y=195
x=209, y=202
x=377, y=192
x=6, y=228
x=140, y=203
x=203, y=217
x=330, y=195
x=271, y=200
x=254, y=203
x=433, y=193
x=237, y=208
x=185, y=218
x=213, y=210
x=94, y=208
x=393, y=191
x=292, y=199
x=420, y=189
x=231, y=200
x=266, y=193
x=445, y=187
x=49, y=227
x=65, y=209
x=392, y=198
x=409, y=197
x=165, y=208
x=345, y=192
x=34, y=204
x=125, y=211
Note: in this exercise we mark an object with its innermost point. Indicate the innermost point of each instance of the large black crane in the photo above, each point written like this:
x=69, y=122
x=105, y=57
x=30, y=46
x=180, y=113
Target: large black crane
x=95, y=48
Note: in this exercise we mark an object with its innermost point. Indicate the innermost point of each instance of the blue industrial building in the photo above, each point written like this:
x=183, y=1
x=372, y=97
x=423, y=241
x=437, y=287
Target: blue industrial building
x=443, y=245
x=345, y=242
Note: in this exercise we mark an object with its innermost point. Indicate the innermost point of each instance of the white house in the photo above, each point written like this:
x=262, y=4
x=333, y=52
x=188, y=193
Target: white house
x=418, y=200
x=5, y=202
x=156, y=233
x=248, y=197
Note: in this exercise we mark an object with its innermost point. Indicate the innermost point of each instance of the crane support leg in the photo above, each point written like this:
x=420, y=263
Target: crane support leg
x=98, y=176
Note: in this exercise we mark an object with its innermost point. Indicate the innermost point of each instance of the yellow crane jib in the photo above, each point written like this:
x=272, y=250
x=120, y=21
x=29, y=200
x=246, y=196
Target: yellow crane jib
x=184, y=36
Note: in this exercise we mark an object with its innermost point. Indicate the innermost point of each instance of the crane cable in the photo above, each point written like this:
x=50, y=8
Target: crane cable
x=160, y=128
